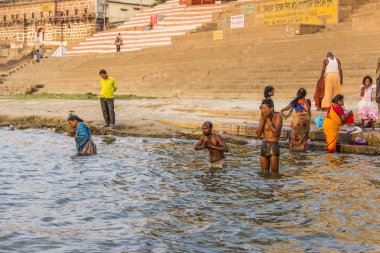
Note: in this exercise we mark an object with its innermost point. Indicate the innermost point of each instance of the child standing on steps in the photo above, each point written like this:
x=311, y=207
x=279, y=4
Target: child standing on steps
x=366, y=109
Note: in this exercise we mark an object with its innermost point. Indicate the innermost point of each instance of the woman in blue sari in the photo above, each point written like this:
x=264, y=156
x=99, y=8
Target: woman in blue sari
x=301, y=121
x=84, y=143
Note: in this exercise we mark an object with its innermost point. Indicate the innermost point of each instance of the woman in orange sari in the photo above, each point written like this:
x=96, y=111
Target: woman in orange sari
x=301, y=121
x=334, y=120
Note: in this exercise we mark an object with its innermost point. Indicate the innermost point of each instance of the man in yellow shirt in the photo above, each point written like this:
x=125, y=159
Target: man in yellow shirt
x=108, y=86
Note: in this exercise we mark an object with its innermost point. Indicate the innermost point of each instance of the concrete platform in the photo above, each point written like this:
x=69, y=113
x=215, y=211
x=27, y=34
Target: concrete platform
x=181, y=118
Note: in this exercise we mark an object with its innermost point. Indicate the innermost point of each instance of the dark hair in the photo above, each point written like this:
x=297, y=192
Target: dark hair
x=268, y=101
x=367, y=77
x=301, y=93
x=337, y=98
x=74, y=117
x=208, y=123
x=268, y=89
x=102, y=71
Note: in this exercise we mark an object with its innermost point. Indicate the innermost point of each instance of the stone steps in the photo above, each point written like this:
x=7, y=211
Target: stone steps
x=194, y=65
x=182, y=19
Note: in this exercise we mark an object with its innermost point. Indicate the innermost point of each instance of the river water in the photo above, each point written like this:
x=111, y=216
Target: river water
x=155, y=195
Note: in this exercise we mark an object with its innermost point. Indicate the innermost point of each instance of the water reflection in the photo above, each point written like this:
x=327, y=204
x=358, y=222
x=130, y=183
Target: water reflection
x=158, y=195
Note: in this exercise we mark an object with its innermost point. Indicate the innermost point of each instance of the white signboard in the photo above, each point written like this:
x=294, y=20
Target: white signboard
x=237, y=21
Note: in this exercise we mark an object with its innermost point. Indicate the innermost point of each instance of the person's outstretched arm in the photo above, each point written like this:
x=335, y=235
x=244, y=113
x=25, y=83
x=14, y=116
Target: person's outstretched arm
x=286, y=108
x=114, y=85
x=323, y=69
x=340, y=71
x=362, y=91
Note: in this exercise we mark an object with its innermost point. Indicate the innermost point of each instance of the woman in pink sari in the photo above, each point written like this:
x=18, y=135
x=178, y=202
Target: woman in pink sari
x=301, y=121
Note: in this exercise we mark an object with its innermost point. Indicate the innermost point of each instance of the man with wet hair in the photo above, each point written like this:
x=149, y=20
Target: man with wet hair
x=270, y=126
x=215, y=145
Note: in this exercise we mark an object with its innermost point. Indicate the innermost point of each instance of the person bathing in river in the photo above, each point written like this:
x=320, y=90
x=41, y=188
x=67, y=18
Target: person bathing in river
x=336, y=117
x=84, y=143
x=215, y=145
x=270, y=125
x=301, y=121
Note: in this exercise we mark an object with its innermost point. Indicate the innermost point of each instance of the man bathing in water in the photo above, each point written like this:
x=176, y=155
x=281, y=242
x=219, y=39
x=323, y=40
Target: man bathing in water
x=215, y=145
x=270, y=126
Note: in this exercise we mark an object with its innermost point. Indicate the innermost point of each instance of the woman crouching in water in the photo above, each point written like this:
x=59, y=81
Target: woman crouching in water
x=84, y=143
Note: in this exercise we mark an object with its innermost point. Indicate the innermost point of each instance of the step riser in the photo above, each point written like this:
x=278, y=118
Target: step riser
x=132, y=45
x=179, y=20
x=190, y=22
x=146, y=36
x=171, y=29
x=178, y=11
x=125, y=41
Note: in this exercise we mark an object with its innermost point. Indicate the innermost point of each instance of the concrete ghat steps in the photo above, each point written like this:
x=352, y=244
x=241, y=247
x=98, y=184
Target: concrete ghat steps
x=21, y=81
x=238, y=66
x=182, y=19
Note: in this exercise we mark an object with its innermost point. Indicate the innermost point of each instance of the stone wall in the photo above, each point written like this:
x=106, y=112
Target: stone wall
x=120, y=11
x=32, y=23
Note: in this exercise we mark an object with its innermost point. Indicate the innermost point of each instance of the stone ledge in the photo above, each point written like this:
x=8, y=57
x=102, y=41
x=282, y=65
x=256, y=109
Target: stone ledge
x=341, y=148
x=317, y=138
x=233, y=133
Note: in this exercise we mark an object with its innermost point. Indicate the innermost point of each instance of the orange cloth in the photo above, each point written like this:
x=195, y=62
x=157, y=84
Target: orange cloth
x=332, y=88
x=331, y=126
x=319, y=93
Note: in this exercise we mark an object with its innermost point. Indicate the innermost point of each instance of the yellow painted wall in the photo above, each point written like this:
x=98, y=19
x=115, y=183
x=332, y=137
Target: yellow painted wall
x=313, y=12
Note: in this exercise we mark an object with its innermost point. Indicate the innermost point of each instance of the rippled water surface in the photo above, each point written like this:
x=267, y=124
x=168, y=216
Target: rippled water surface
x=155, y=195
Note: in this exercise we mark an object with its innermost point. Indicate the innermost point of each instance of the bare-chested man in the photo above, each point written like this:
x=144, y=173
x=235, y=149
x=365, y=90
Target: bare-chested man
x=215, y=145
x=270, y=126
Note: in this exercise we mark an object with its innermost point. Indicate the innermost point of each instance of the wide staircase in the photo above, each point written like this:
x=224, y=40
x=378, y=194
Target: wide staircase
x=174, y=19
x=238, y=66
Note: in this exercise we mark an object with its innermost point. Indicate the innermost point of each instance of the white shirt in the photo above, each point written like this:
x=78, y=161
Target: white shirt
x=332, y=66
